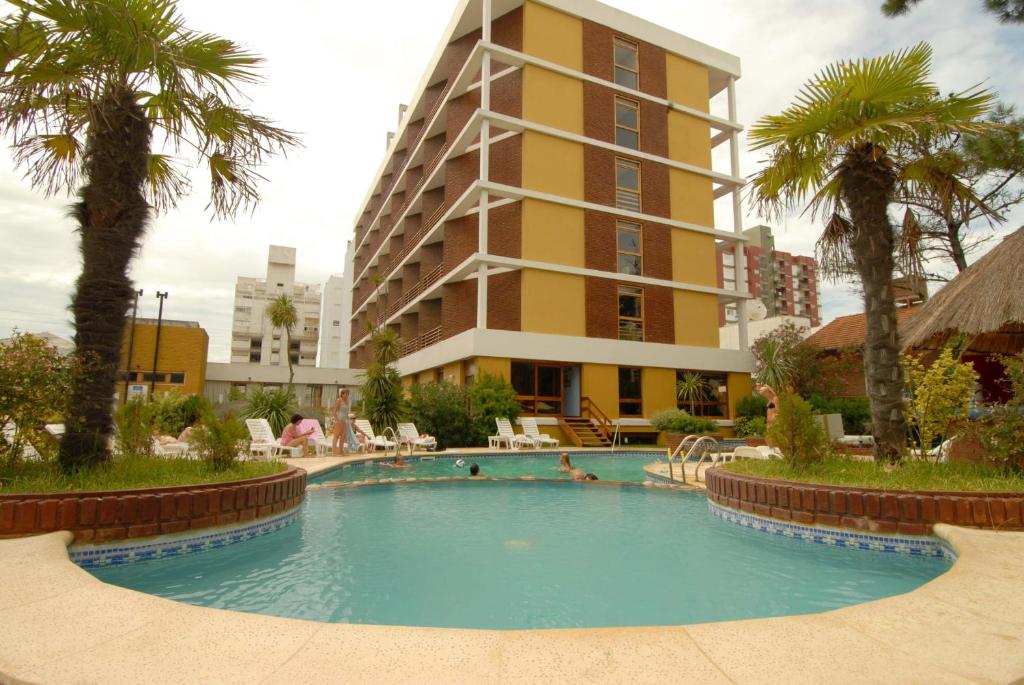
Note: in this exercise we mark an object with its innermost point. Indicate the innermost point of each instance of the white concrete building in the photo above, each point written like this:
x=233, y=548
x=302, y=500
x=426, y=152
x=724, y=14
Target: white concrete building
x=253, y=339
x=332, y=321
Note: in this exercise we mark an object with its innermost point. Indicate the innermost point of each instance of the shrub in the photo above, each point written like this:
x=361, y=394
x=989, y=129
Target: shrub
x=442, y=410
x=797, y=433
x=218, y=441
x=35, y=383
x=383, y=402
x=939, y=395
x=679, y=422
x=175, y=412
x=752, y=406
x=784, y=361
x=856, y=411
x=276, y=406
x=750, y=426
x=491, y=397
x=136, y=427
x=1002, y=433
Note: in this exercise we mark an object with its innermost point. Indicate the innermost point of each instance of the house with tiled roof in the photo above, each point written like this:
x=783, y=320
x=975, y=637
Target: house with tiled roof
x=843, y=337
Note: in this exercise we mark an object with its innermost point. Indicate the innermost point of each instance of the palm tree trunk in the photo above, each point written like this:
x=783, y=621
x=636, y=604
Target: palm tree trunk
x=288, y=353
x=867, y=185
x=111, y=216
x=956, y=247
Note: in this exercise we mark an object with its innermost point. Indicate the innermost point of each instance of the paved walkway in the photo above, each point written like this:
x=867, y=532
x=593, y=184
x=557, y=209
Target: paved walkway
x=59, y=624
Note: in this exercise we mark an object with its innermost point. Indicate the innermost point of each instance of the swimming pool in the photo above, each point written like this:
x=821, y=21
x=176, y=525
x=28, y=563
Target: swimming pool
x=617, y=466
x=520, y=554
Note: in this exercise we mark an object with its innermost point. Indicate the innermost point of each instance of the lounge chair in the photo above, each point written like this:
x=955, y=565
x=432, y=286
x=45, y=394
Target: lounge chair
x=531, y=431
x=759, y=452
x=409, y=435
x=173, y=449
x=264, y=442
x=318, y=441
x=510, y=437
x=938, y=454
x=374, y=441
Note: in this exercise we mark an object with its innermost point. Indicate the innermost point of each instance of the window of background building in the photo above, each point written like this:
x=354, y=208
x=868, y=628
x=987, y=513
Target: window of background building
x=631, y=313
x=178, y=378
x=715, y=404
x=627, y=184
x=630, y=392
x=627, y=123
x=627, y=64
x=629, y=247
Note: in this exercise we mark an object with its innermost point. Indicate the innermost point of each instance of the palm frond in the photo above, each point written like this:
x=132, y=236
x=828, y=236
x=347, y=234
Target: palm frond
x=834, y=250
x=52, y=161
x=165, y=183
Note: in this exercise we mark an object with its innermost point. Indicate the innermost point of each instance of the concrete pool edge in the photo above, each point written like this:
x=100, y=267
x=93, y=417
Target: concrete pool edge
x=60, y=624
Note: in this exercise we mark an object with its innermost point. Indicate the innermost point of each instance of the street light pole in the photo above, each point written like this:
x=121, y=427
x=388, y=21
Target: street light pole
x=156, y=348
x=131, y=343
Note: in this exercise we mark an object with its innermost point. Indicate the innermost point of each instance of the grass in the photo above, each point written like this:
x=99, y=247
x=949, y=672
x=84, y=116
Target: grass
x=126, y=473
x=910, y=475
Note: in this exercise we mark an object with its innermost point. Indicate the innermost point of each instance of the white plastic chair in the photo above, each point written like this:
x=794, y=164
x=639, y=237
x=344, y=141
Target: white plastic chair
x=531, y=431
x=374, y=441
x=759, y=452
x=264, y=442
x=938, y=454
x=409, y=435
x=514, y=440
x=318, y=441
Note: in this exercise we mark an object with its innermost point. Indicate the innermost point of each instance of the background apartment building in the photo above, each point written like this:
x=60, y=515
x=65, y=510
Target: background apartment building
x=253, y=339
x=546, y=212
x=335, y=324
x=787, y=284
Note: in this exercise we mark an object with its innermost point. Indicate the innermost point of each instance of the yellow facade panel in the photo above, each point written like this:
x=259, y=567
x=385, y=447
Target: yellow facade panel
x=552, y=233
x=552, y=99
x=600, y=382
x=696, y=318
x=453, y=373
x=740, y=385
x=687, y=82
x=553, y=303
x=494, y=366
x=689, y=140
x=552, y=165
x=553, y=36
x=693, y=258
x=659, y=390
x=183, y=350
x=692, y=198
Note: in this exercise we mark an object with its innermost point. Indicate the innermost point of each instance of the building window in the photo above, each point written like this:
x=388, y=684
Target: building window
x=627, y=123
x=627, y=64
x=631, y=313
x=538, y=387
x=630, y=392
x=703, y=394
x=153, y=377
x=627, y=184
x=629, y=247
x=177, y=378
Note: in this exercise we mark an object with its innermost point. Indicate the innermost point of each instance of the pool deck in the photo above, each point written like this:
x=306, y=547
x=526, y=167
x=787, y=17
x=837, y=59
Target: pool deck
x=59, y=624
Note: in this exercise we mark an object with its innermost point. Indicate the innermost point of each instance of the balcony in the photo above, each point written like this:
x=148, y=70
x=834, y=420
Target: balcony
x=411, y=294
x=421, y=341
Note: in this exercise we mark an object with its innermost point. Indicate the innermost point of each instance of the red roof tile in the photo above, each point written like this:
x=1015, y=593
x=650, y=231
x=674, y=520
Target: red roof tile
x=850, y=331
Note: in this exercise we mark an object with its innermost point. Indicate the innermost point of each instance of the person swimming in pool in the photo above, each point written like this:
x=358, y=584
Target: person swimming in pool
x=474, y=471
x=565, y=466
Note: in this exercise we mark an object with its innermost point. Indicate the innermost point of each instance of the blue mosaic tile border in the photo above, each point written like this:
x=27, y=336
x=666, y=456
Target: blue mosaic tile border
x=915, y=546
x=126, y=552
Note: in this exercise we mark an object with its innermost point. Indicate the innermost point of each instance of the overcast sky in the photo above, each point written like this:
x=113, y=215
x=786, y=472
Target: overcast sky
x=336, y=73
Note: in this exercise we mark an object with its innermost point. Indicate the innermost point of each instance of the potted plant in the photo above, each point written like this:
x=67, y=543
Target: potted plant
x=676, y=424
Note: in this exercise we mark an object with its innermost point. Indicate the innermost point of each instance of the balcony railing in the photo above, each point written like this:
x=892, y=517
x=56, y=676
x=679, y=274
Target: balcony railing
x=631, y=330
x=421, y=341
x=412, y=293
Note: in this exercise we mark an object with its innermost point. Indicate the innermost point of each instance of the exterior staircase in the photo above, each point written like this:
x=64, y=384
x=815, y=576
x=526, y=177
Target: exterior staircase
x=584, y=433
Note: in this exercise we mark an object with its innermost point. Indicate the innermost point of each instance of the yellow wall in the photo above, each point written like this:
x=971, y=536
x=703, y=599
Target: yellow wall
x=552, y=165
x=659, y=390
x=687, y=82
x=553, y=303
x=182, y=350
x=494, y=366
x=552, y=233
x=552, y=99
x=692, y=198
x=554, y=36
x=740, y=385
x=453, y=373
x=689, y=139
x=694, y=258
x=696, y=318
x=600, y=382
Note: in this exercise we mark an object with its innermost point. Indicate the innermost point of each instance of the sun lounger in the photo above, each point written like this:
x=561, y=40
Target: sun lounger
x=374, y=441
x=510, y=437
x=264, y=442
x=531, y=431
x=409, y=435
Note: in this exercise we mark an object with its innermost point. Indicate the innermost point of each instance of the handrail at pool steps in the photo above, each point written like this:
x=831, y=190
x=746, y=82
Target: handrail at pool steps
x=703, y=441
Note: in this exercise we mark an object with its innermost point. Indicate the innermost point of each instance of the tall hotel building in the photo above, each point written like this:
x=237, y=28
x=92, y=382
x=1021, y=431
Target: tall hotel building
x=545, y=212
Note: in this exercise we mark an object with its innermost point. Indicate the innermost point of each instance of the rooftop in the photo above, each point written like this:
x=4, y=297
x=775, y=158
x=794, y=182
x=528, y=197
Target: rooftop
x=850, y=330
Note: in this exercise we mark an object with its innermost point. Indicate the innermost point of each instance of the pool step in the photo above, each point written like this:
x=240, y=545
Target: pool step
x=583, y=433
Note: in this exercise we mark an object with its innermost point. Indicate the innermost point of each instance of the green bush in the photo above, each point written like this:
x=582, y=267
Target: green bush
x=1002, y=433
x=276, y=406
x=442, y=410
x=750, y=426
x=797, y=433
x=752, y=406
x=491, y=397
x=679, y=422
x=136, y=427
x=175, y=412
x=219, y=441
x=856, y=411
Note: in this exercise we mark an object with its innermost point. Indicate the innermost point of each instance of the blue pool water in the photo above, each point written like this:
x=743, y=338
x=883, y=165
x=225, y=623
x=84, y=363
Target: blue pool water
x=618, y=466
x=508, y=555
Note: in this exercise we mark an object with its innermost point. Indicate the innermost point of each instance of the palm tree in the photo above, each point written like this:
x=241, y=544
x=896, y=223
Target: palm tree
x=834, y=148
x=1007, y=11
x=83, y=88
x=381, y=390
x=282, y=314
x=692, y=388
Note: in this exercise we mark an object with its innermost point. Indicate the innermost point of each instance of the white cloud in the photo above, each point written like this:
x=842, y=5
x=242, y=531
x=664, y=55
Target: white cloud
x=336, y=73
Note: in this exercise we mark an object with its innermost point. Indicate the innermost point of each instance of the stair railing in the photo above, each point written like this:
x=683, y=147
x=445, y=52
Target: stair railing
x=594, y=413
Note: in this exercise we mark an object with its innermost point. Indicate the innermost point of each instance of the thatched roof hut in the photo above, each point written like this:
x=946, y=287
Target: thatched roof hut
x=984, y=302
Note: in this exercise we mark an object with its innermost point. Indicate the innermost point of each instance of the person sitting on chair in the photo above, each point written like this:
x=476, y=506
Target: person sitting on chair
x=290, y=436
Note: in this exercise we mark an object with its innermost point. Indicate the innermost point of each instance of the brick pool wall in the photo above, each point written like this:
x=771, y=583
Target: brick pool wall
x=884, y=511
x=115, y=515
